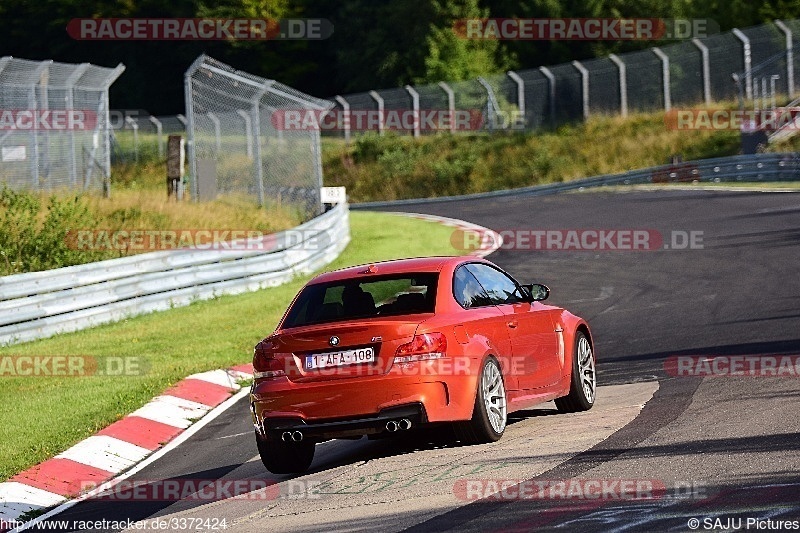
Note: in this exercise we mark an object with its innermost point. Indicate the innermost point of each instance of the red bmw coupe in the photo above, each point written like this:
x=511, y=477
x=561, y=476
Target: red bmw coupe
x=380, y=349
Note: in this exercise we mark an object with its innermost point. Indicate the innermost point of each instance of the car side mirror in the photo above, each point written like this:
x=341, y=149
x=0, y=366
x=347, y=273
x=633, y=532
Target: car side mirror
x=537, y=291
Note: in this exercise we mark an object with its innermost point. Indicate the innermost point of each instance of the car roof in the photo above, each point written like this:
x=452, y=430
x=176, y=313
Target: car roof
x=394, y=266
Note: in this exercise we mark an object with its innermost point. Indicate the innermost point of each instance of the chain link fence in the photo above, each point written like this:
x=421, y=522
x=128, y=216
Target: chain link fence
x=679, y=75
x=682, y=74
x=252, y=136
x=54, y=125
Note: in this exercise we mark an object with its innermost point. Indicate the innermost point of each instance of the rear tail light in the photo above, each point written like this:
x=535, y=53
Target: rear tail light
x=265, y=364
x=274, y=368
x=422, y=347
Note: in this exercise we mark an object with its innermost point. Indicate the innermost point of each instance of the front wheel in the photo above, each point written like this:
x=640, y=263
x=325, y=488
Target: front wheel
x=285, y=457
x=584, y=382
x=489, y=416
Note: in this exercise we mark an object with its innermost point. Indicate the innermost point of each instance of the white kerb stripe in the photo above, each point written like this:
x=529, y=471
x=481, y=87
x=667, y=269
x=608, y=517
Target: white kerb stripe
x=238, y=374
x=106, y=453
x=18, y=498
x=172, y=411
x=217, y=377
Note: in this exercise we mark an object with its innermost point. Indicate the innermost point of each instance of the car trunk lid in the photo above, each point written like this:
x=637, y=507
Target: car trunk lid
x=340, y=349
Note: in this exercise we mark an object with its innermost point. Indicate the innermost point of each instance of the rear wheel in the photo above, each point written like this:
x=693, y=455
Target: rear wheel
x=285, y=457
x=584, y=382
x=489, y=415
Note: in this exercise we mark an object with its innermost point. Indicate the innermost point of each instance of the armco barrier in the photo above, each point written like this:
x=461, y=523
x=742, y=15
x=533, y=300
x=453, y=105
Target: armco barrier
x=740, y=168
x=40, y=304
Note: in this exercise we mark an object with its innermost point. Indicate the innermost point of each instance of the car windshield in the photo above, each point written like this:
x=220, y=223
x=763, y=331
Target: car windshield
x=353, y=298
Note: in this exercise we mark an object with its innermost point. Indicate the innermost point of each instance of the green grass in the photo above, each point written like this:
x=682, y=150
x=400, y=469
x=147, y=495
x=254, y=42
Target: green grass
x=389, y=167
x=42, y=416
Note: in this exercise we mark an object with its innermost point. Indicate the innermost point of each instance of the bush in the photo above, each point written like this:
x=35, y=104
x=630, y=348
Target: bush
x=388, y=167
x=35, y=238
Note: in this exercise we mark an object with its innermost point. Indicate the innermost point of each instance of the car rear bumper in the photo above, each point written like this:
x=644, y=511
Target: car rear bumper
x=359, y=406
x=286, y=429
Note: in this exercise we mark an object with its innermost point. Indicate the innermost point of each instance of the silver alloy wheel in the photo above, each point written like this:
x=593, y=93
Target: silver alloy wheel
x=586, y=369
x=494, y=396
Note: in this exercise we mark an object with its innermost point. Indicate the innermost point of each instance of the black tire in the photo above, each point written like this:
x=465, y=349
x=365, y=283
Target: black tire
x=578, y=399
x=285, y=457
x=479, y=429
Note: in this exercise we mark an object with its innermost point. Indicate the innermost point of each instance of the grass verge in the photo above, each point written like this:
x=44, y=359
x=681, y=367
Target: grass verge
x=42, y=416
x=390, y=167
x=36, y=228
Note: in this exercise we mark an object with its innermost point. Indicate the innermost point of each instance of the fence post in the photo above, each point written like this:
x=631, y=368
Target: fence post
x=316, y=149
x=188, y=125
x=451, y=104
x=248, y=131
x=772, y=80
x=345, y=117
x=116, y=73
x=217, y=131
x=623, y=84
x=44, y=102
x=378, y=100
x=706, y=70
x=255, y=118
x=584, y=87
x=33, y=105
x=789, y=57
x=135, y=127
x=551, y=80
x=664, y=76
x=755, y=94
x=70, y=87
x=491, y=112
x=520, y=95
x=747, y=57
x=415, y=103
x=159, y=135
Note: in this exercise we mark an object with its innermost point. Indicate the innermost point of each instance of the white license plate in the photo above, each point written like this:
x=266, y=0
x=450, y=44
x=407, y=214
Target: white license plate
x=343, y=358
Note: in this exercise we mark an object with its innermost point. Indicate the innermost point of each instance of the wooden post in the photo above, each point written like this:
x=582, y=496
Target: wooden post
x=175, y=164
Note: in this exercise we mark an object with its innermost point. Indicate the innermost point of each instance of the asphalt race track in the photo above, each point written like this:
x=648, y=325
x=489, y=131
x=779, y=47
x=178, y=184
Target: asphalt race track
x=723, y=448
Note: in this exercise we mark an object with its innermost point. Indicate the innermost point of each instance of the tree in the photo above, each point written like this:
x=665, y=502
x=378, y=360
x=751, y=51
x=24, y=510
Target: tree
x=451, y=56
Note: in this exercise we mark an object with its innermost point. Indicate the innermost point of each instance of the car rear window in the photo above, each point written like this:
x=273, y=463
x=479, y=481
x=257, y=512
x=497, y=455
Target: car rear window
x=377, y=296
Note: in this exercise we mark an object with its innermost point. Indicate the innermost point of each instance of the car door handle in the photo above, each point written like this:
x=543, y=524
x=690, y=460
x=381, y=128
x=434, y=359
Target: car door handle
x=513, y=324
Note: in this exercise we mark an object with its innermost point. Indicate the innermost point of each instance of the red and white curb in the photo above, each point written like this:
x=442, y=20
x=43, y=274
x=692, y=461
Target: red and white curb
x=86, y=466
x=490, y=241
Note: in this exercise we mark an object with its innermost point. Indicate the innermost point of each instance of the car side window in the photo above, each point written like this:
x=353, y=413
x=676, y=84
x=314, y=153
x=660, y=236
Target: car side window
x=467, y=291
x=500, y=288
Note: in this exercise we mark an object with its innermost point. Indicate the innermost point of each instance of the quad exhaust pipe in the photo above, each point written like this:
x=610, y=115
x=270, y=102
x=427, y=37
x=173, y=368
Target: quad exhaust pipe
x=391, y=426
x=295, y=436
x=395, y=425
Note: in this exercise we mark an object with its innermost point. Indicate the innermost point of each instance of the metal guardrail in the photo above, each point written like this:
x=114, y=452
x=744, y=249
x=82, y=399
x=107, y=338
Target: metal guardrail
x=740, y=168
x=41, y=304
